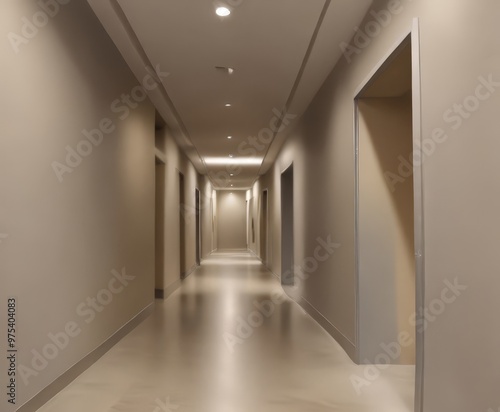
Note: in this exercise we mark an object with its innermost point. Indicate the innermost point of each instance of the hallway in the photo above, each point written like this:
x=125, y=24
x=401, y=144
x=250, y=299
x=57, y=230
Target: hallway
x=190, y=356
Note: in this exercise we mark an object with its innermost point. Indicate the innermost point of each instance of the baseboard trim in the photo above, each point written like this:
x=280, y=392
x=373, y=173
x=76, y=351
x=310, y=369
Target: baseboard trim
x=176, y=284
x=255, y=255
x=264, y=263
x=344, y=341
x=169, y=290
x=346, y=344
x=274, y=274
x=189, y=271
x=46, y=394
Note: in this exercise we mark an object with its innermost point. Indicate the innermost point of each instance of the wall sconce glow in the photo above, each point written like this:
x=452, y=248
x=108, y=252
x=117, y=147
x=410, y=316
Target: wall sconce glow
x=223, y=161
x=222, y=11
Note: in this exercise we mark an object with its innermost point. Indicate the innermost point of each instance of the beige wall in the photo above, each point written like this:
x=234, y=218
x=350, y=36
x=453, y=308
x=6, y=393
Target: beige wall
x=386, y=247
x=461, y=205
x=256, y=210
x=459, y=52
x=254, y=198
x=160, y=188
x=231, y=220
x=65, y=238
x=208, y=203
x=176, y=162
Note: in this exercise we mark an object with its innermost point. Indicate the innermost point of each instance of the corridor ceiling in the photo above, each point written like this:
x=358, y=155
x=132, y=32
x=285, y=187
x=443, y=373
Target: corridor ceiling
x=281, y=52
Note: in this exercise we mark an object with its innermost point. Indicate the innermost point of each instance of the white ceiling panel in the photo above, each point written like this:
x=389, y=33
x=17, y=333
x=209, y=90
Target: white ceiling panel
x=281, y=52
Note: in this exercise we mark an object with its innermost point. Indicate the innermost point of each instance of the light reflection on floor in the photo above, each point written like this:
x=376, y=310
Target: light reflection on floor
x=195, y=352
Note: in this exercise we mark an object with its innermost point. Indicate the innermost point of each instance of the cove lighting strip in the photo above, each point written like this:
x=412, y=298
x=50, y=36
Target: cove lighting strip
x=247, y=161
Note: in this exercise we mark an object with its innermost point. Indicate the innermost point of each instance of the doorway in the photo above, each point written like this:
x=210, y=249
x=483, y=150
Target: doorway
x=250, y=225
x=264, y=227
x=287, y=238
x=198, y=227
x=159, y=227
x=388, y=212
x=182, y=226
x=213, y=245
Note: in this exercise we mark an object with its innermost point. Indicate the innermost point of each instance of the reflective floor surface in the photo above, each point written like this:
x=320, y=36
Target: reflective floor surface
x=229, y=341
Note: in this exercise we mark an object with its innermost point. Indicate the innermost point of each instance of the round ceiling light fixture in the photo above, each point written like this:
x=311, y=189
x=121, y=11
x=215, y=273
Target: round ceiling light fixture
x=222, y=11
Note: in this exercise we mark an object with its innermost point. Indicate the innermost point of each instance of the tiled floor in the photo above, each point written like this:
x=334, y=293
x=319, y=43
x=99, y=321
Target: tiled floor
x=189, y=356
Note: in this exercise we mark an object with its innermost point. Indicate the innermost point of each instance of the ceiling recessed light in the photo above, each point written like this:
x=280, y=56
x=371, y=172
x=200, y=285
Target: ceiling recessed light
x=228, y=70
x=230, y=137
x=228, y=105
x=222, y=11
x=232, y=174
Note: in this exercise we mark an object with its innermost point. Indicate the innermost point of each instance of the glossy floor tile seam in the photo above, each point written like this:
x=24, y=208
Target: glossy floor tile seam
x=219, y=343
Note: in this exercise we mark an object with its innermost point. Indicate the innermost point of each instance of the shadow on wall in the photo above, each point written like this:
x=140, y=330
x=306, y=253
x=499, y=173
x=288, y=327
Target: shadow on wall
x=386, y=213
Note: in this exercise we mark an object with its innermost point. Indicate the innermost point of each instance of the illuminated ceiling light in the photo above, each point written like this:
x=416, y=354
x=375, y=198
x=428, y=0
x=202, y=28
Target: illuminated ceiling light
x=232, y=174
x=230, y=137
x=228, y=105
x=244, y=161
x=222, y=11
x=230, y=155
x=228, y=70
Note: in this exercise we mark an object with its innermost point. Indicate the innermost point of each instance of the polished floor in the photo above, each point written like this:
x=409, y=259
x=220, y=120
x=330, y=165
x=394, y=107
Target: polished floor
x=199, y=352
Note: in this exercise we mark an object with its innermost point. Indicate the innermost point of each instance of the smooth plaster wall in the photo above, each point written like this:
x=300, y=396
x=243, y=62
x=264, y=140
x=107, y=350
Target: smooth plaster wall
x=65, y=238
x=386, y=246
x=255, y=193
x=160, y=189
x=232, y=220
x=207, y=196
x=460, y=47
x=175, y=162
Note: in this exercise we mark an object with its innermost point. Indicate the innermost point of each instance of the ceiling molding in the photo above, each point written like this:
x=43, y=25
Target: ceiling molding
x=277, y=68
